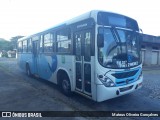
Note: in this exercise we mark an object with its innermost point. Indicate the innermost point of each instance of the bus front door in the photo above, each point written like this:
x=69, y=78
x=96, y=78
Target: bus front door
x=35, y=56
x=83, y=61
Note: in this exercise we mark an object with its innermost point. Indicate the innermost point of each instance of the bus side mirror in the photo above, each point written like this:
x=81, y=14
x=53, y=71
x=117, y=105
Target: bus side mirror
x=141, y=30
x=100, y=40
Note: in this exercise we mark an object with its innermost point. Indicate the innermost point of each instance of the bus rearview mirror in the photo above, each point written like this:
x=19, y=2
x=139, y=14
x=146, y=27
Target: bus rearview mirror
x=100, y=40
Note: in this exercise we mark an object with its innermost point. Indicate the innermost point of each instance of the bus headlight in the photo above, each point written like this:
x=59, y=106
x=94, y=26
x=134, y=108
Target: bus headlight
x=107, y=81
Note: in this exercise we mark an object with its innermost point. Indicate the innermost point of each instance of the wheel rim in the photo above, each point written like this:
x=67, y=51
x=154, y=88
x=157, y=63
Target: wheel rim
x=65, y=85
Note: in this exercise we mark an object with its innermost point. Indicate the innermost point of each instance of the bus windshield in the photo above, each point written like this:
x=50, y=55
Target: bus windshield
x=121, y=48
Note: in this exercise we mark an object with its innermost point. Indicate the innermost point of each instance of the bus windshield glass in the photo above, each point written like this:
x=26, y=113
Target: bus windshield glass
x=120, y=50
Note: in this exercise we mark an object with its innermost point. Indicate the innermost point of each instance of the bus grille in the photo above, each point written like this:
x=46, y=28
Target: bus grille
x=124, y=82
x=125, y=74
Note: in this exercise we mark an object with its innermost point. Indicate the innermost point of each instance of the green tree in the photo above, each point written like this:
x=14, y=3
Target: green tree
x=4, y=45
x=14, y=40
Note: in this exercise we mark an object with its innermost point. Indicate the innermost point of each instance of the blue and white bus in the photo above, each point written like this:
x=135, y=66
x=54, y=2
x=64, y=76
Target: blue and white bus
x=96, y=55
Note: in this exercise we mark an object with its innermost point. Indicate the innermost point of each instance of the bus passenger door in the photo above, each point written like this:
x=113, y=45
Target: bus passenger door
x=35, y=56
x=83, y=61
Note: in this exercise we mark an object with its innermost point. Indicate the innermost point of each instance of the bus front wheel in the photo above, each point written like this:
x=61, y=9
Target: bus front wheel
x=66, y=87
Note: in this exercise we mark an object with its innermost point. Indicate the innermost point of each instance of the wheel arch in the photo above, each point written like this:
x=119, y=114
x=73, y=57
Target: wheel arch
x=63, y=73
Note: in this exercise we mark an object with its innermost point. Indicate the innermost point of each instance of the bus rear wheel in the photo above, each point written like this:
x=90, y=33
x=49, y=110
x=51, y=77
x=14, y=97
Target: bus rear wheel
x=28, y=71
x=65, y=86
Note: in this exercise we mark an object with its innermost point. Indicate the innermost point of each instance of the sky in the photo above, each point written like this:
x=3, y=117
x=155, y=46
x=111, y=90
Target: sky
x=26, y=17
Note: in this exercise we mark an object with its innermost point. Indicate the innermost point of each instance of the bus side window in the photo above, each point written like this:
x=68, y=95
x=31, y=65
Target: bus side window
x=53, y=42
x=29, y=45
x=41, y=44
x=63, y=38
x=25, y=46
x=22, y=47
x=48, y=42
x=87, y=46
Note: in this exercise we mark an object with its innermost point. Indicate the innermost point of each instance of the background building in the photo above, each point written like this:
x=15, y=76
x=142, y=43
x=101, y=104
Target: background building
x=150, y=50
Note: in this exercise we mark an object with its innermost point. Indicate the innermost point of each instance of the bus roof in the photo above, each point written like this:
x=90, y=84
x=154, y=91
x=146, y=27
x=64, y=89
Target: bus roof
x=90, y=14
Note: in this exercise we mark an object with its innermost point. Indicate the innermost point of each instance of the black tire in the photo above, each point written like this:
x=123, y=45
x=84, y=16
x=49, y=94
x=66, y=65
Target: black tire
x=66, y=86
x=28, y=71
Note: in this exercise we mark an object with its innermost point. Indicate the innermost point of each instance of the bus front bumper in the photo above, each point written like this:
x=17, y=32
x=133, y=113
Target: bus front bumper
x=105, y=93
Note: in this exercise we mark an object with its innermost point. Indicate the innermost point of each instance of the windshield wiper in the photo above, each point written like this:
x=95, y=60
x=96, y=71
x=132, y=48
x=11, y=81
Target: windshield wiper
x=117, y=38
x=120, y=44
